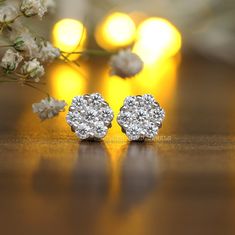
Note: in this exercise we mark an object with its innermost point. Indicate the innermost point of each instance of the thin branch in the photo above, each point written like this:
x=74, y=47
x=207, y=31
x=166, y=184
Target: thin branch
x=5, y=81
x=69, y=61
x=93, y=52
x=36, y=88
x=79, y=43
x=1, y=46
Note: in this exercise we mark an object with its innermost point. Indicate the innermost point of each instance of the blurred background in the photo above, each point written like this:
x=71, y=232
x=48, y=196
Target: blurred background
x=188, y=53
x=206, y=26
x=181, y=184
x=187, y=48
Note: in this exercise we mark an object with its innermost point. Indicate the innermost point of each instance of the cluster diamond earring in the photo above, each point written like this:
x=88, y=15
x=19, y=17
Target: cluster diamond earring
x=140, y=117
x=90, y=116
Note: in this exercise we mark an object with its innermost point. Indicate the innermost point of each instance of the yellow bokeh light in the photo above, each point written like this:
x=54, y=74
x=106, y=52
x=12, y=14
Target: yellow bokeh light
x=157, y=39
x=115, y=31
x=69, y=35
x=67, y=82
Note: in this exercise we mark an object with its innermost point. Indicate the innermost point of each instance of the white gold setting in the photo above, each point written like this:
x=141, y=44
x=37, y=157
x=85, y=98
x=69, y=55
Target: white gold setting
x=140, y=117
x=90, y=116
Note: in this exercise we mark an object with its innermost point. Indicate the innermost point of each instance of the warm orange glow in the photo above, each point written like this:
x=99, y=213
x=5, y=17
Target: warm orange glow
x=159, y=79
x=67, y=82
x=157, y=39
x=117, y=30
x=69, y=35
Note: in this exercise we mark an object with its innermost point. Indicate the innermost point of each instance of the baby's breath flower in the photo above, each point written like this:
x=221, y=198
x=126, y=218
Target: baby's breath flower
x=8, y=13
x=17, y=29
x=27, y=44
x=10, y=60
x=50, y=5
x=33, y=69
x=33, y=7
x=48, y=108
x=125, y=64
x=47, y=53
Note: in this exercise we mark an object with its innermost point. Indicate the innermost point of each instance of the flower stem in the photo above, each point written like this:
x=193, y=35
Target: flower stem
x=6, y=45
x=4, y=81
x=91, y=52
x=69, y=61
x=36, y=88
x=12, y=21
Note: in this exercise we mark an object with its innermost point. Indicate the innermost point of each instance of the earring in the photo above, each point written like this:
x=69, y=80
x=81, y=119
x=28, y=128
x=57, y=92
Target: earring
x=140, y=117
x=90, y=116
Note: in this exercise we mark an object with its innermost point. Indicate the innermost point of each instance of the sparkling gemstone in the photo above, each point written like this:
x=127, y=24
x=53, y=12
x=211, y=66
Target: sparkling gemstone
x=148, y=99
x=151, y=130
x=157, y=114
x=96, y=99
x=83, y=131
x=124, y=118
x=89, y=116
x=73, y=117
x=130, y=101
x=141, y=117
x=100, y=130
x=106, y=114
x=78, y=101
x=133, y=132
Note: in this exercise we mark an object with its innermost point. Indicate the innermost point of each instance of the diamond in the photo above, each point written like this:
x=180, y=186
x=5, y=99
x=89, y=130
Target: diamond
x=100, y=130
x=83, y=131
x=106, y=114
x=151, y=130
x=141, y=117
x=124, y=118
x=133, y=132
x=90, y=116
x=130, y=101
x=78, y=101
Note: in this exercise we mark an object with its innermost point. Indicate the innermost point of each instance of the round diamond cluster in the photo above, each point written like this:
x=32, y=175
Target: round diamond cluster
x=141, y=117
x=90, y=116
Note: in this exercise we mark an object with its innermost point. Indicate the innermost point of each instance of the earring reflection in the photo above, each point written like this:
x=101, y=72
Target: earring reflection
x=90, y=176
x=139, y=174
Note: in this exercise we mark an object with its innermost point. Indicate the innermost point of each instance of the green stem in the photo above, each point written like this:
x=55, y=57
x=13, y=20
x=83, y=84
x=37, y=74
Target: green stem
x=79, y=43
x=38, y=83
x=11, y=21
x=2, y=81
x=91, y=52
x=21, y=75
x=69, y=61
x=36, y=88
x=6, y=46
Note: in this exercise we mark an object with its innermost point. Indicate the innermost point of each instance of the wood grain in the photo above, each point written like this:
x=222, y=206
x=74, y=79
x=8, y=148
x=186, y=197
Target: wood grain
x=183, y=183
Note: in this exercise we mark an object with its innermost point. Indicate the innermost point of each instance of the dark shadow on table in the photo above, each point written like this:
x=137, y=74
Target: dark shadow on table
x=139, y=174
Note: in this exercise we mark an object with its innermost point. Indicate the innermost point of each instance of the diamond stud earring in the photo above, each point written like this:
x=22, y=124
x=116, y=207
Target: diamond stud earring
x=90, y=116
x=140, y=117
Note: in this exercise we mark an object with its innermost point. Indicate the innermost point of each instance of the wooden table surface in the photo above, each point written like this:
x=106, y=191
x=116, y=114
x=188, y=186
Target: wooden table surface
x=182, y=183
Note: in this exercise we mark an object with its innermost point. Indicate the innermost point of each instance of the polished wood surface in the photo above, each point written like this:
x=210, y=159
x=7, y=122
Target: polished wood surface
x=182, y=183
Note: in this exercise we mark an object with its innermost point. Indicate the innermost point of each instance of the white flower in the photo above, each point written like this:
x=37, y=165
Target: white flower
x=8, y=13
x=17, y=29
x=47, y=52
x=50, y=5
x=48, y=107
x=11, y=60
x=33, y=7
x=33, y=69
x=126, y=64
x=27, y=44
